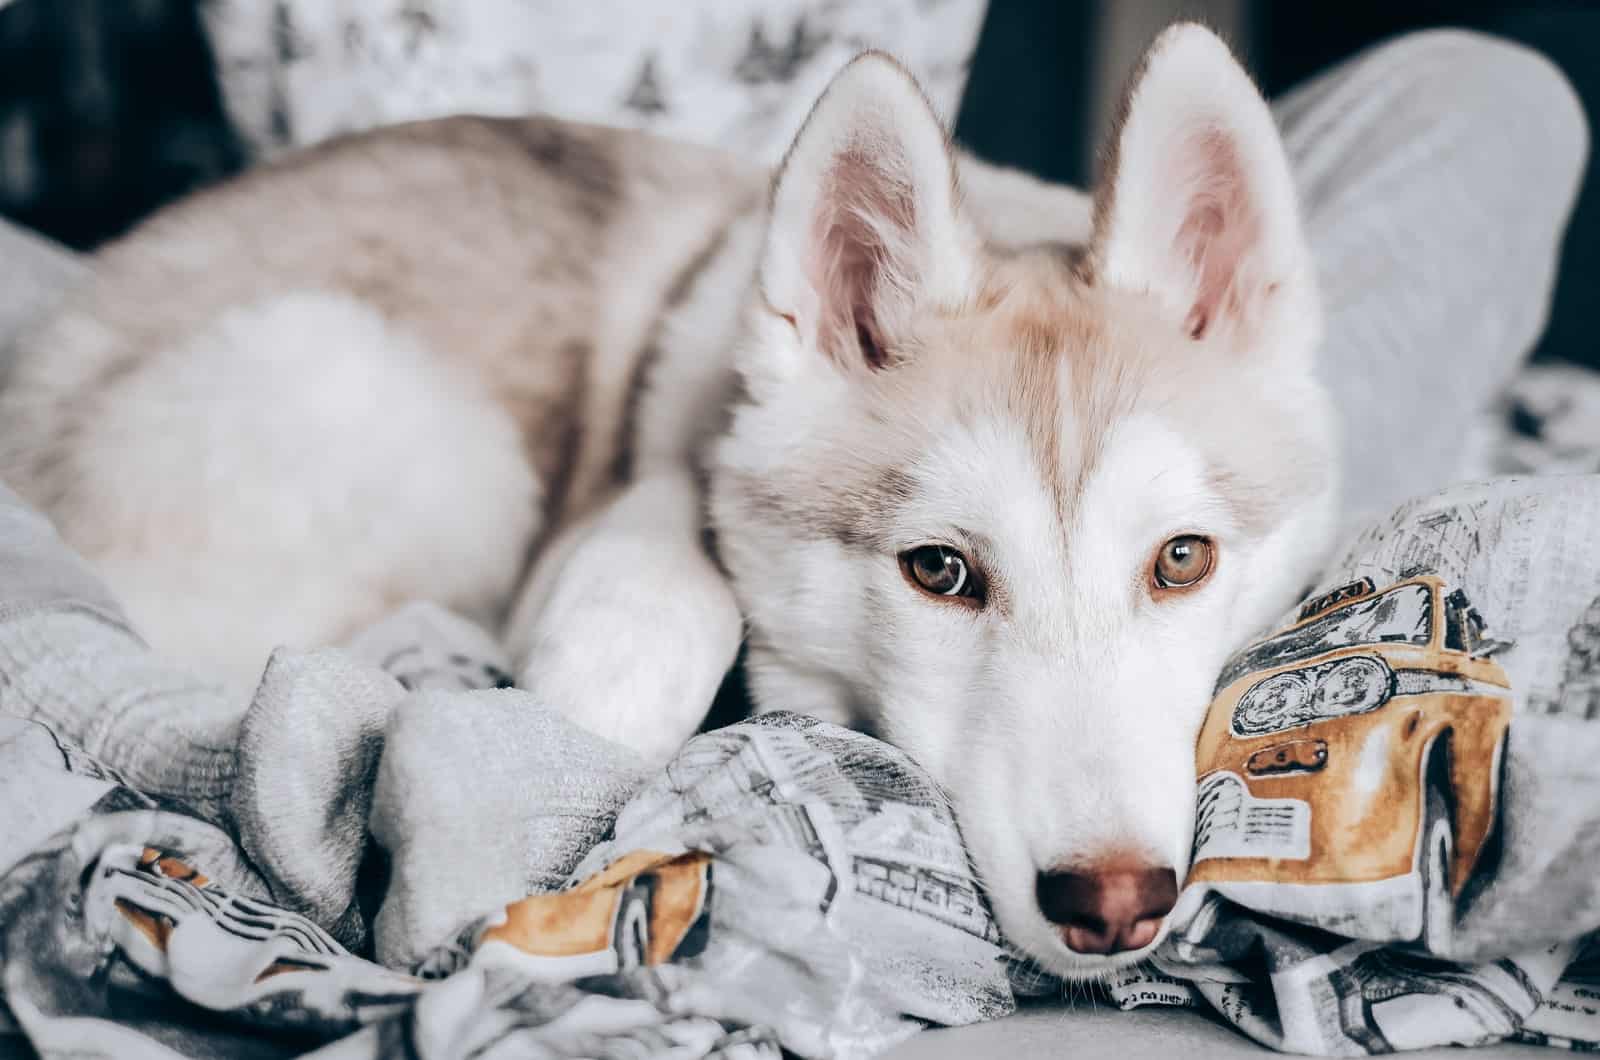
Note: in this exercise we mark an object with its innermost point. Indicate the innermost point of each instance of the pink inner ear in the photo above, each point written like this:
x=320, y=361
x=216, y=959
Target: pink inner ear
x=859, y=234
x=1220, y=229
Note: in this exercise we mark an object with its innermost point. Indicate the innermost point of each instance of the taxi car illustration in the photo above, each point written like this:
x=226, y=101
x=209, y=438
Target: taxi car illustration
x=1355, y=757
x=645, y=908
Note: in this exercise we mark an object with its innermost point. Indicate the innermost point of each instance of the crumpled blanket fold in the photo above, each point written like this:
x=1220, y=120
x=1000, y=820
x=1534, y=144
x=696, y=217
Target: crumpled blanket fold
x=348, y=863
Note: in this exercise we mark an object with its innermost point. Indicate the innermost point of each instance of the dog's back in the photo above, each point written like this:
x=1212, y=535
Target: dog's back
x=373, y=372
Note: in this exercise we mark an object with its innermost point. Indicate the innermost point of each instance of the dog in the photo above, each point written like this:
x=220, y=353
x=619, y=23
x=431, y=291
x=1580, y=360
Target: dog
x=959, y=461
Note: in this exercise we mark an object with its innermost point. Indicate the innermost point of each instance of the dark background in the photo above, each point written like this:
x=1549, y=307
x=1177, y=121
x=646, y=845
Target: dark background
x=128, y=114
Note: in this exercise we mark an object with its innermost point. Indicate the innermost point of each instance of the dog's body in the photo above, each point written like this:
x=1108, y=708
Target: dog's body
x=522, y=368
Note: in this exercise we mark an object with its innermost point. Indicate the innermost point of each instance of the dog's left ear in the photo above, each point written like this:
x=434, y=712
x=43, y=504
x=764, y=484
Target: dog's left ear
x=865, y=229
x=1197, y=205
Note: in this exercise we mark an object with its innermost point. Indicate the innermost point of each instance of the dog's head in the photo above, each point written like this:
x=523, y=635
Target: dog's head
x=1012, y=509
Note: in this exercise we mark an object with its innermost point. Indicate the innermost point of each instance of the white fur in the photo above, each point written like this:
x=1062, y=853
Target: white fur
x=337, y=471
x=627, y=626
x=1092, y=708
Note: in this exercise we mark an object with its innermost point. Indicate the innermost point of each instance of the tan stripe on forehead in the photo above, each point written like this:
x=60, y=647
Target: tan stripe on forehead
x=1039, y=312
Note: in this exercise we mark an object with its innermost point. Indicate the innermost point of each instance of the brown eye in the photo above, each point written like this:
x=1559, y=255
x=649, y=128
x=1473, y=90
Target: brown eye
x=940, y=571
x=1183, y=561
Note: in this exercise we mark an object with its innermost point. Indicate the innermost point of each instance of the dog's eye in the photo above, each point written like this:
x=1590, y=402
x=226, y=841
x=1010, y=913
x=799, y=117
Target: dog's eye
x=940, y=571
x=1183, y=561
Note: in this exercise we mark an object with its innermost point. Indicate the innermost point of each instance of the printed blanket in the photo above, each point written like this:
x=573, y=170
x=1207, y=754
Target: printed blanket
x=386, y=852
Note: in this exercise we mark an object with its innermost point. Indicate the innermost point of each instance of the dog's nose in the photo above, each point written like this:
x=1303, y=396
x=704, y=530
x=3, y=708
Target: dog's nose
x=1108, y=908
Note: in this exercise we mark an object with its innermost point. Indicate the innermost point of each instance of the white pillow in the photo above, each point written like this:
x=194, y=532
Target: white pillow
x=739, y=74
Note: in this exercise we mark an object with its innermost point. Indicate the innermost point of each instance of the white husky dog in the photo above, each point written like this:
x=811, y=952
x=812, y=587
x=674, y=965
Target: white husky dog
x=1008, y=505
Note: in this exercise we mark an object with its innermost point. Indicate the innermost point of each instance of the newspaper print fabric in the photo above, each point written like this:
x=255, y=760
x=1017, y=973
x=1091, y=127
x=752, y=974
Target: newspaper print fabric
x=1399, y=813
x=836, y=891
x=784, y=884
x=737, y=74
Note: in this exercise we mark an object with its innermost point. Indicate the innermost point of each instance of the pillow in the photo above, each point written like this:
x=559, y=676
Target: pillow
x=739, y=74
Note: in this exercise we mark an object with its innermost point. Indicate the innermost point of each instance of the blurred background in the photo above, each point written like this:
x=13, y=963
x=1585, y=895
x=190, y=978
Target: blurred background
x=108, y=108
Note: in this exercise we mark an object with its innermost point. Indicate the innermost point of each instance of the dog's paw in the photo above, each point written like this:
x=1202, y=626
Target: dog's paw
x=635, y=658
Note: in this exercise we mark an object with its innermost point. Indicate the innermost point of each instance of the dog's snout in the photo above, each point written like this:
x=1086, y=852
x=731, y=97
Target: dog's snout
x=1108, y=908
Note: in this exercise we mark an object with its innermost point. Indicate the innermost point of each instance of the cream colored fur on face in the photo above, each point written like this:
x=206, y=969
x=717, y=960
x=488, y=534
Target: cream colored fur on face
x=526, y=369
x=1055, y=422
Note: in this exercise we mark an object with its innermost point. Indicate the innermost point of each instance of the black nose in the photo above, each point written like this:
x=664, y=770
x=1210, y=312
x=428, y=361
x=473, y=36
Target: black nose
x=1109, y=907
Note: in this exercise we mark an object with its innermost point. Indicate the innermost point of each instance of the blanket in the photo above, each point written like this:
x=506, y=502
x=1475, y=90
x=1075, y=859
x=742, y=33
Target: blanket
x=388, y=851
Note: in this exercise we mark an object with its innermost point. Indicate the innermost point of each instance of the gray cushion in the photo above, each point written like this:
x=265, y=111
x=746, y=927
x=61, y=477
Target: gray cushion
x=1143, y=1034
x=34, y=274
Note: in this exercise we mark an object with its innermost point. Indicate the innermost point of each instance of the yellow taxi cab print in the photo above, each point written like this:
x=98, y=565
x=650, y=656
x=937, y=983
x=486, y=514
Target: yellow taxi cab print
x=1353, y=759
x=645, y=908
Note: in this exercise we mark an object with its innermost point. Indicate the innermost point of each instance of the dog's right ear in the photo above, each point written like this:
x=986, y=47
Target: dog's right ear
x=1197, y=206
x=865, y=230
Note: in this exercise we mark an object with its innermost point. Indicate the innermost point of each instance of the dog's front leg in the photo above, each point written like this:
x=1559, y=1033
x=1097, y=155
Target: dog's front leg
x=626, y=625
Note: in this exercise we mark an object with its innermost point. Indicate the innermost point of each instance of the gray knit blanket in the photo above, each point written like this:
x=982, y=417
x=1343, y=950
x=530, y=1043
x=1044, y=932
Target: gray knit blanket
x=388, y=853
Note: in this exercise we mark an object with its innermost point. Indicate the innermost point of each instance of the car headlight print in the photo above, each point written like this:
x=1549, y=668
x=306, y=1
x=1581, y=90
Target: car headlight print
x=1352, y=686
x=1299, y=697
x=1280, y=702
